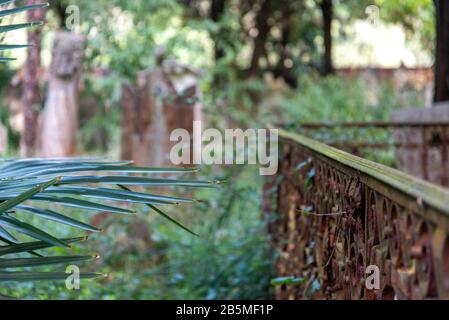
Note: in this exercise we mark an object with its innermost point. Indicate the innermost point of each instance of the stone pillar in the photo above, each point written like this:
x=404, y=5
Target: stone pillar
x=60, y=118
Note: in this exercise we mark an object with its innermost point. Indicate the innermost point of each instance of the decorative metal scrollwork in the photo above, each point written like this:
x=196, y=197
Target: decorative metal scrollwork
x=334, y=220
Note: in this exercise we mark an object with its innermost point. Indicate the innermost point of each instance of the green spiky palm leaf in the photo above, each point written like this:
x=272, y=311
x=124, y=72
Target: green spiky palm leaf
x=5, y=12
x=71, y=182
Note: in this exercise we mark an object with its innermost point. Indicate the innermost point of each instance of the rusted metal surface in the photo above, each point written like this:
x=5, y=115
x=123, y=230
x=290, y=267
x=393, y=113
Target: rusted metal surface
x=337, y=214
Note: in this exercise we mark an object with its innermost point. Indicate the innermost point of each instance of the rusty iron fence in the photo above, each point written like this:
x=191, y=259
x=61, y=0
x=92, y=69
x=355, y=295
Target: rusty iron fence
x=336, y=214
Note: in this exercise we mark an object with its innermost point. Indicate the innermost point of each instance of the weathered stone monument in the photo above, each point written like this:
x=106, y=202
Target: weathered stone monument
x=60, y=118
x=164, y=99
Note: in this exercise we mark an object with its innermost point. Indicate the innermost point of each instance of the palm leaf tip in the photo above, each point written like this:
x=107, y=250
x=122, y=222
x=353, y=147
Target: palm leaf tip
x=42, y=261
x=7, y=12
x=11, y=203
x=44, y=276
x=35, y=245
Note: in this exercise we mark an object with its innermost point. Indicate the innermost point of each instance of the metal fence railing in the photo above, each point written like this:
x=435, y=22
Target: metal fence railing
x=339, y=217
x=420, y=148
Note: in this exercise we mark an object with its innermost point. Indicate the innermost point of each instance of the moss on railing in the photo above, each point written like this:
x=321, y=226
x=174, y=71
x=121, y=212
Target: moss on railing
x=424, y=192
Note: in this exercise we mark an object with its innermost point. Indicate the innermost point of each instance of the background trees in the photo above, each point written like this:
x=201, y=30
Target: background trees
x=32, y=98
x=442, y=51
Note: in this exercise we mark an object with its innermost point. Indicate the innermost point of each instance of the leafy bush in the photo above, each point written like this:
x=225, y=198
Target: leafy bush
x=336, y=99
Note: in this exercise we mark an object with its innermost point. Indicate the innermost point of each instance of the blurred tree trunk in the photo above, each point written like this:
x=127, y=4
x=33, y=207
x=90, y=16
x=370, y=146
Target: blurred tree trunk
x=60, y=121
x=216, y=12
x=128, y=101
x=31, y=96
x=442, y=51
x=263, y=28
x=327, y=12
x=60, y=7
x=282, y=68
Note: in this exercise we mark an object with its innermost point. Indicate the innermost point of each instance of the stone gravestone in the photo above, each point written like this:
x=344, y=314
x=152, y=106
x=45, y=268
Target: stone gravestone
x=60, y=118
x=164, y=99
x=423, y=150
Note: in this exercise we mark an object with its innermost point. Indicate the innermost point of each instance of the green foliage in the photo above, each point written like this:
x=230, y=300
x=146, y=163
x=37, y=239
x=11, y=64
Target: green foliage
x=237, y=260
x=416, y=16
x=336, y=99
x=130, y=49
x=231, y=259
x=58, y=181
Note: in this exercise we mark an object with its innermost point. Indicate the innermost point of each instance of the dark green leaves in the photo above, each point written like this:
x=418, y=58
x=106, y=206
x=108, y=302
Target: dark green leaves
x=54, y=216
x=57, y=182
x=18, y=26
x=42, y=261
x=160, y=212
x=12, y=46
x=4, y=13
x=43, y=276
x=29, y=230
x=142, y=181
x=35, y=245
x=42, y=167
x=34, y=184
x=11, y=203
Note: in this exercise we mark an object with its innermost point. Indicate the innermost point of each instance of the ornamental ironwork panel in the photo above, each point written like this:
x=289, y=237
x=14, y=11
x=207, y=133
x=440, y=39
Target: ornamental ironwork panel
x=339, y=216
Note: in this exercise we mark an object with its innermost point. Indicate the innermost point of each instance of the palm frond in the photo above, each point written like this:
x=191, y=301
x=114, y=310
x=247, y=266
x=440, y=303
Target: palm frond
x=13, y=27
x=63, y=182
